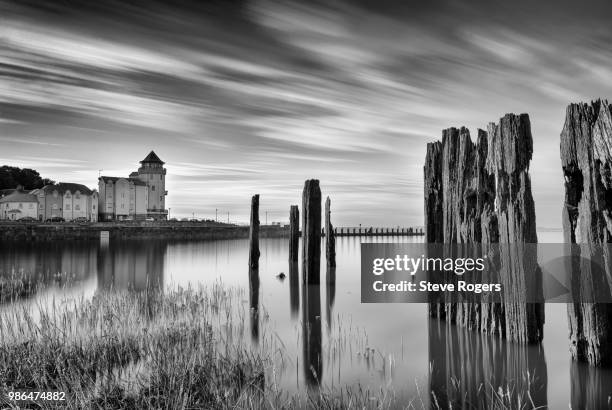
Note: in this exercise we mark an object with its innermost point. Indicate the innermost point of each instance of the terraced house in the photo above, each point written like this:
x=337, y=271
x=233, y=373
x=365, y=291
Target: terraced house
x=68, y=201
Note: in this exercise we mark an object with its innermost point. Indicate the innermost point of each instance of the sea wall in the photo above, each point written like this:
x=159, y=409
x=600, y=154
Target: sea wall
x=21, y=232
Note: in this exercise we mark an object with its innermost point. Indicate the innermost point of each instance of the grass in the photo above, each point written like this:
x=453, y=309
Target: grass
x=148, y=350
x=180, y=349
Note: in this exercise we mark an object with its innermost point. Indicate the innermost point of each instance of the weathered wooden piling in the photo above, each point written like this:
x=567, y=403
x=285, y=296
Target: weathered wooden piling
x=481, y=193
x=294, y=232
x=586, y=158
x=330, y=237
x=254, y=233
x=311, y=232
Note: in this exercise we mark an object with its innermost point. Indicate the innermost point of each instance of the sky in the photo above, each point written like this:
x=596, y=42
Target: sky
x=246, y=97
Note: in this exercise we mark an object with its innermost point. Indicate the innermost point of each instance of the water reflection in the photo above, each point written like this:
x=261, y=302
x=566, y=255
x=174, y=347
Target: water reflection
x=330, y=287
x=311, y=334
x=254, y=303
x=294, y=288
x=473, y=370
x=135, y=266
x=591, y=387
x=26, y=268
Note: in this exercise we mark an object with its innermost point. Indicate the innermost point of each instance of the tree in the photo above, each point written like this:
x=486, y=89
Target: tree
x=11, y=177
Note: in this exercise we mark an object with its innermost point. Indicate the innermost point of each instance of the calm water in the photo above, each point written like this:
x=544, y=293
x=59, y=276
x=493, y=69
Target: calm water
x=389, y=344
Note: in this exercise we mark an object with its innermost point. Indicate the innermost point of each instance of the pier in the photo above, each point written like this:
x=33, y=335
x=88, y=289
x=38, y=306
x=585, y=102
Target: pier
x=378, y=231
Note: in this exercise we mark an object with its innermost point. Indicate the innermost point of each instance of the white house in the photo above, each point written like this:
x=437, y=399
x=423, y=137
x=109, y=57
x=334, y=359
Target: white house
x=18, y=205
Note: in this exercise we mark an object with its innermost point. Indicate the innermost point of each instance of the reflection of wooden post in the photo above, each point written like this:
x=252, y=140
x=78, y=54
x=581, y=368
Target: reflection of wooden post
x=311, y=231
x=294, y=232
x=294, y=288
x=254, y=233
x=254, y=302
x=311, y=335
x=330, y=238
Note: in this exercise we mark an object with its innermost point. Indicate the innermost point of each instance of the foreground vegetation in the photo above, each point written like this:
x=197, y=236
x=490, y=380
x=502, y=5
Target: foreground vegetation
x=181, y=349
x=145, y=350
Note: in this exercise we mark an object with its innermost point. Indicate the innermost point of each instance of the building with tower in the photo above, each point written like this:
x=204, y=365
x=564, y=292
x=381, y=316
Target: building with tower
x=140, y=196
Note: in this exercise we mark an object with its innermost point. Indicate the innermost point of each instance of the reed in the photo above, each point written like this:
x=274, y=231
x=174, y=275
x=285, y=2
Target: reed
x=183, y=348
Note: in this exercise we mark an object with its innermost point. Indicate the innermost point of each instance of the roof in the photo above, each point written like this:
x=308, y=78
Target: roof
x=4, y=192
x=152, y=157
x=62, y=187
x=19, y=196
x=136, y=181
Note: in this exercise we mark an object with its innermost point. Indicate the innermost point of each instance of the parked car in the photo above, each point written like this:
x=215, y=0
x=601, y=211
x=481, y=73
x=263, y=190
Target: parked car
x=56, y=219
x=80, y=219
x=150, y=219
x=27, y=219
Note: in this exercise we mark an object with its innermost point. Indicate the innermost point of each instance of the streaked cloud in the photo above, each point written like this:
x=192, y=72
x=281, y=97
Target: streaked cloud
x=255, y=97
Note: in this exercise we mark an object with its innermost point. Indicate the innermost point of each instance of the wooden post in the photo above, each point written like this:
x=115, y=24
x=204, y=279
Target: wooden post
x=294, y=232
x=585, y=157
x=311, y=232
x=481, y=193
x=330, y=238
x=254, y=233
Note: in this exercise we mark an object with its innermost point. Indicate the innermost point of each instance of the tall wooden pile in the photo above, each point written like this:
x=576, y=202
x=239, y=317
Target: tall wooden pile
x=481, y=193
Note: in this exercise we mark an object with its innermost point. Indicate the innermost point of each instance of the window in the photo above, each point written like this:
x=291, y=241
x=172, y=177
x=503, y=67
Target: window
x=54, y=194
x=77, y=195
x=67, y=207
x=152, y=187
x=54, y=206
x=20, y=206
x=77, y=207
x=31, y=205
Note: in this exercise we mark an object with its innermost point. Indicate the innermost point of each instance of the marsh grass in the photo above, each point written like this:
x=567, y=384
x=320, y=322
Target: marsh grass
x=177, y=349
x=174, y=350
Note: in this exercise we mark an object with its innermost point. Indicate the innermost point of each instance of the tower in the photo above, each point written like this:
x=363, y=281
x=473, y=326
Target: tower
x=153, y=173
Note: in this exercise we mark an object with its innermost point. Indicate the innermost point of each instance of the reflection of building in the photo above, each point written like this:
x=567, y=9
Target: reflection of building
x=142, y=195
x=68, y=201
x=131, y=265
x=48, y=263
x=18, y=205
